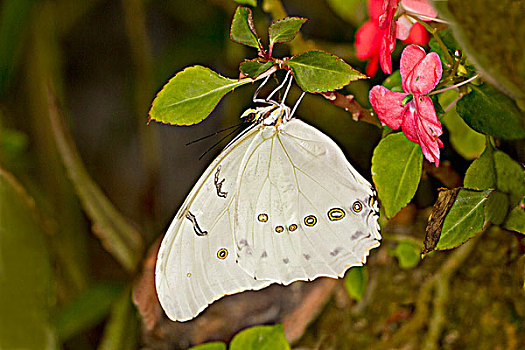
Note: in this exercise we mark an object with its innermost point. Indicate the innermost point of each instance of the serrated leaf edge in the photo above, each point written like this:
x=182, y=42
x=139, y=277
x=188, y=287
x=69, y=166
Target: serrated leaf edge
x=482, y=203
x=360, y=75
x=252, y=29
x=255, y=60
x=283, y=20
x=151, y=118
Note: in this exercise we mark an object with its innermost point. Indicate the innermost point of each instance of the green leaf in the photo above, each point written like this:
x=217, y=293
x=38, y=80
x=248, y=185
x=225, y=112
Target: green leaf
x=26, y=276
x=87, y=310
x=356, y=281
x=393, y=82
x=214, y=345
x=467, y=142
x=496, y=207
x=242, y=30
x=491, y=34
x=118, y=236
x=481, y=174
x=487, y=110
x=261, y=338
x=254, y=68
x=122, y=328
x=396, y=171
x=408, y=254
x=318, y=71
x=247, y=2
x=464, y=220
x=191, y=95
x=516, y=220
x=284, y=30
x=509, y=177
x=352, y=11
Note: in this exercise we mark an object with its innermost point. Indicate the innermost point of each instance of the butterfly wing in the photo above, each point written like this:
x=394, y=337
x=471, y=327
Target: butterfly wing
x=196, y=261
x=301, y=210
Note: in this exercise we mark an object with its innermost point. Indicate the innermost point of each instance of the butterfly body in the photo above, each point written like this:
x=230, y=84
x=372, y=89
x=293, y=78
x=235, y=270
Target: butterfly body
x=280, y=203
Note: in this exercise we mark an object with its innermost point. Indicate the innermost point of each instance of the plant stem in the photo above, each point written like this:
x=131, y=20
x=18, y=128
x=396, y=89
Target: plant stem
x=434, y=33
x=454, y=86
x=276, y=9
x=348, y=102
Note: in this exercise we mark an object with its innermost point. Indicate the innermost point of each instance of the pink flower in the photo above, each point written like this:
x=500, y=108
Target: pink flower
x=417, y=8
x=388, y=41
x=376, y=38
x=412, y=110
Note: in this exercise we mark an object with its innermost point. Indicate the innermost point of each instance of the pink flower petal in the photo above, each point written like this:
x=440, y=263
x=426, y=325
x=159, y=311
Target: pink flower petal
x=421, y=7
x=367, y=40
x=428, y=116
x=425, y=75
x=410, y=122
x=430, y=147
x=410, y=57
x=418, y=35
x=422, y=126
x=403, y=27
x=373, y=64
x=388, y=44
x=388, y=105
x=375, y=9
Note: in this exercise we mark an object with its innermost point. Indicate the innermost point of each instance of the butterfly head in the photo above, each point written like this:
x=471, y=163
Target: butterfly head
x=274, y=114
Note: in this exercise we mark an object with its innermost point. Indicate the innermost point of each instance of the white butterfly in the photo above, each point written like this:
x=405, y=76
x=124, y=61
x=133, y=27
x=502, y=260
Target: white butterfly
x=280, y=204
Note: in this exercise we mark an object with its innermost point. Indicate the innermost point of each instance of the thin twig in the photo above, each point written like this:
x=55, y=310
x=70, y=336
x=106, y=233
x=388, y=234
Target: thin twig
x=349, y=104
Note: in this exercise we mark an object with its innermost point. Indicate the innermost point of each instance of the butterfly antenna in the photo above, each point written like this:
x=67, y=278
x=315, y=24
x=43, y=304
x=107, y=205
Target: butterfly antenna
x=268, y=99
x=255, y=98
x=222, y=139
x=297, y=104
x=287, y=88
x=215, y=133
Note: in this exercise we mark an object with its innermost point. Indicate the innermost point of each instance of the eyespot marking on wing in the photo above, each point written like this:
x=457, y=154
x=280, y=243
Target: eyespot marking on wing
x=292, y=227
x=336, y=214
x=218, y=184
x=279, y=229
x=310, y=220
x=262, y=217
x=357, y=206
x=196, y=227
x=188, y=274
x=222, y=253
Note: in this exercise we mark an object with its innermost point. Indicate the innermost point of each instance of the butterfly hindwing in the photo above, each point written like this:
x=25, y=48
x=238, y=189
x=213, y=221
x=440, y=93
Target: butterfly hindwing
x=196, y=261
x=301, y=210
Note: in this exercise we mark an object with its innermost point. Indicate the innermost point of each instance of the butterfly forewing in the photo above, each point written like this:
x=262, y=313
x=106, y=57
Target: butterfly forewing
x=301, y=210
x=196, y=261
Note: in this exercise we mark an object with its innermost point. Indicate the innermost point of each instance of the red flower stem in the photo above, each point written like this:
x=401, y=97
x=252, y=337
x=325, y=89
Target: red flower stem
x=349, y=104
x=454, y=86
x=434, y=33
